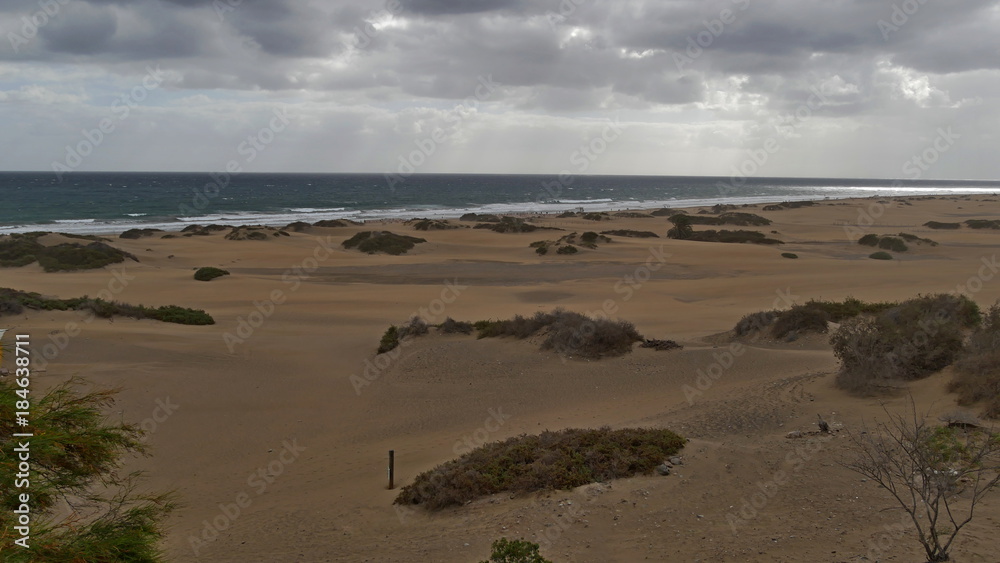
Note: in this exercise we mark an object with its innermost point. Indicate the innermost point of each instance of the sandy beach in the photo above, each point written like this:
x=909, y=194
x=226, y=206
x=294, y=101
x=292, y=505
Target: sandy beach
x=274, y=424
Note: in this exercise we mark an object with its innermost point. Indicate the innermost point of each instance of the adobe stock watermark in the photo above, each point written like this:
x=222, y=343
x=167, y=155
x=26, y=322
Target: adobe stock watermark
x=257, y=484
x=752, y=505
x=30, y=25
x=566, y=9
x=247, y=325
x=581, y=159
x=725, y=360
x=120, y=110
x=161, y=413
x=714, y=28
x=249, y=148
x=428, y=145
x=900, y=16
x=481, y=436
x=361, y=36
x=913, y=168
x=431, y=313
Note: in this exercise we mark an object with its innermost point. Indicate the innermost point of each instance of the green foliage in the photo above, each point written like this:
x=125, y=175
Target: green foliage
x=567, y=333
x=983, y=223
x=431, y=225
x=551, y=460
x=682, y=229
x=800, y=318
x=596, y=216
x=977, y=372
x=789, y=255
x=631, y=233
x=139, y=233
x=568, y=249
x=373, y=242
x=735, y=218
x=880, y=255
x=208, y=273
x=938, y=225
x=915, y=239
x=516, y=551
x=77, y=456
x=512, y=225
x=104, y=309
x=892, y=243
x=451, y=326
x=869, y=240
x=732, y=237
x=390, y=340
x=22, y=249
x=910, y=341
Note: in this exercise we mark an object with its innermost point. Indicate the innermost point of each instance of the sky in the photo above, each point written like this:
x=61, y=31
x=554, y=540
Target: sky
x=800, y=88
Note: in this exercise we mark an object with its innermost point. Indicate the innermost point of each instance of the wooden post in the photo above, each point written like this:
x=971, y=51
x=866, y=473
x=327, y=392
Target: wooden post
x=392, y=463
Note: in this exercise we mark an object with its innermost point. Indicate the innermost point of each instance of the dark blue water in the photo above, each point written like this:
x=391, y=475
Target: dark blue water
x=108, y=202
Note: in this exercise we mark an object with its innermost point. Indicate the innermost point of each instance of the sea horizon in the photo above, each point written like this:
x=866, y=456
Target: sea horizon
x=109, y=202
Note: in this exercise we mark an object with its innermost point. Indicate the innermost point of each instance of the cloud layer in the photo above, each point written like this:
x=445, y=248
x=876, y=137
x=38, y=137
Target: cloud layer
x=846, y=88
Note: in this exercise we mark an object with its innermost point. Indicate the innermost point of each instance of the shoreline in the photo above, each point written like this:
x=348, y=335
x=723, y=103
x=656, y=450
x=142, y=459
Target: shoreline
x=175, y=226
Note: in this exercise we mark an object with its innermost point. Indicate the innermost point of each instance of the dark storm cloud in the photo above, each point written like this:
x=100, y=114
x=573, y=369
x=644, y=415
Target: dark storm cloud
x=450, y=7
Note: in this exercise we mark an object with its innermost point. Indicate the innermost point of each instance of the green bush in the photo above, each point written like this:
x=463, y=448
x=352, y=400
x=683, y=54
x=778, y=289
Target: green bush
x=430, y=225
x=892, y=243
x=551, y=460
x=732, y=237
x=800, y=318
x=208, y=273
x=869, y=240
x=139, y=233
x=373, y=242
x=909, y=341
x=22, y=249
x=516, y=551
x=880, y=255
x=568, y=249
x=915, y=239
x=631, y=233
x=451, y=326
x=755, y=322
x=390, y=340
x=108, y=309
x=789, y=255
x=983, y=224
x=937, y=225
x=977, y=371
x=568, y=333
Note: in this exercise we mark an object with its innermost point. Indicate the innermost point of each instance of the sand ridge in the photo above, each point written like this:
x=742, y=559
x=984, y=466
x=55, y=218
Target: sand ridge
x=289, y=381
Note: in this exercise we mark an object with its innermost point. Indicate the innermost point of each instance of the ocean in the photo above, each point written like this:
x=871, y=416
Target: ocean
x=99, y=202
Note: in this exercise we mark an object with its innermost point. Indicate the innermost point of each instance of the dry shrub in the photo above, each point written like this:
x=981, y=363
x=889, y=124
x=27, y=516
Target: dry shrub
x=977, y=372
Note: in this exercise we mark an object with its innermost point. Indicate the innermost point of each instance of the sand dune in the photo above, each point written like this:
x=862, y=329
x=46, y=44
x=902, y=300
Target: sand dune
x=276, y=417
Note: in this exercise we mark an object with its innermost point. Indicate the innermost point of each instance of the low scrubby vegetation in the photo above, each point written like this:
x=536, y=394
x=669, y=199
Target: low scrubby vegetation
x=139, y=233
x=335, y=223
x=983, y=223
x=254, y=233
x=568, y=244
x=788, y=205
x=736, y=218
x=789, y=255
x=451, y=326
x=394, y=335
x=431, y=225
x=515, y=551
x=14, y=302
x=567, y=333
x=732, y=237
x=663, y=212
x=914, y=239
x=633, y=215
x=209, y=273
x=631, y=234
x=894, y=244
x=942, y=226
x=977, y=372
x=481, y=217
x=18, y=250
x=298, y=226
x=549, y=461
x=513, y=225
x=596, y=216
x=373, y=242
x=880, y=255
x=812, y=316
x=905, y=342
